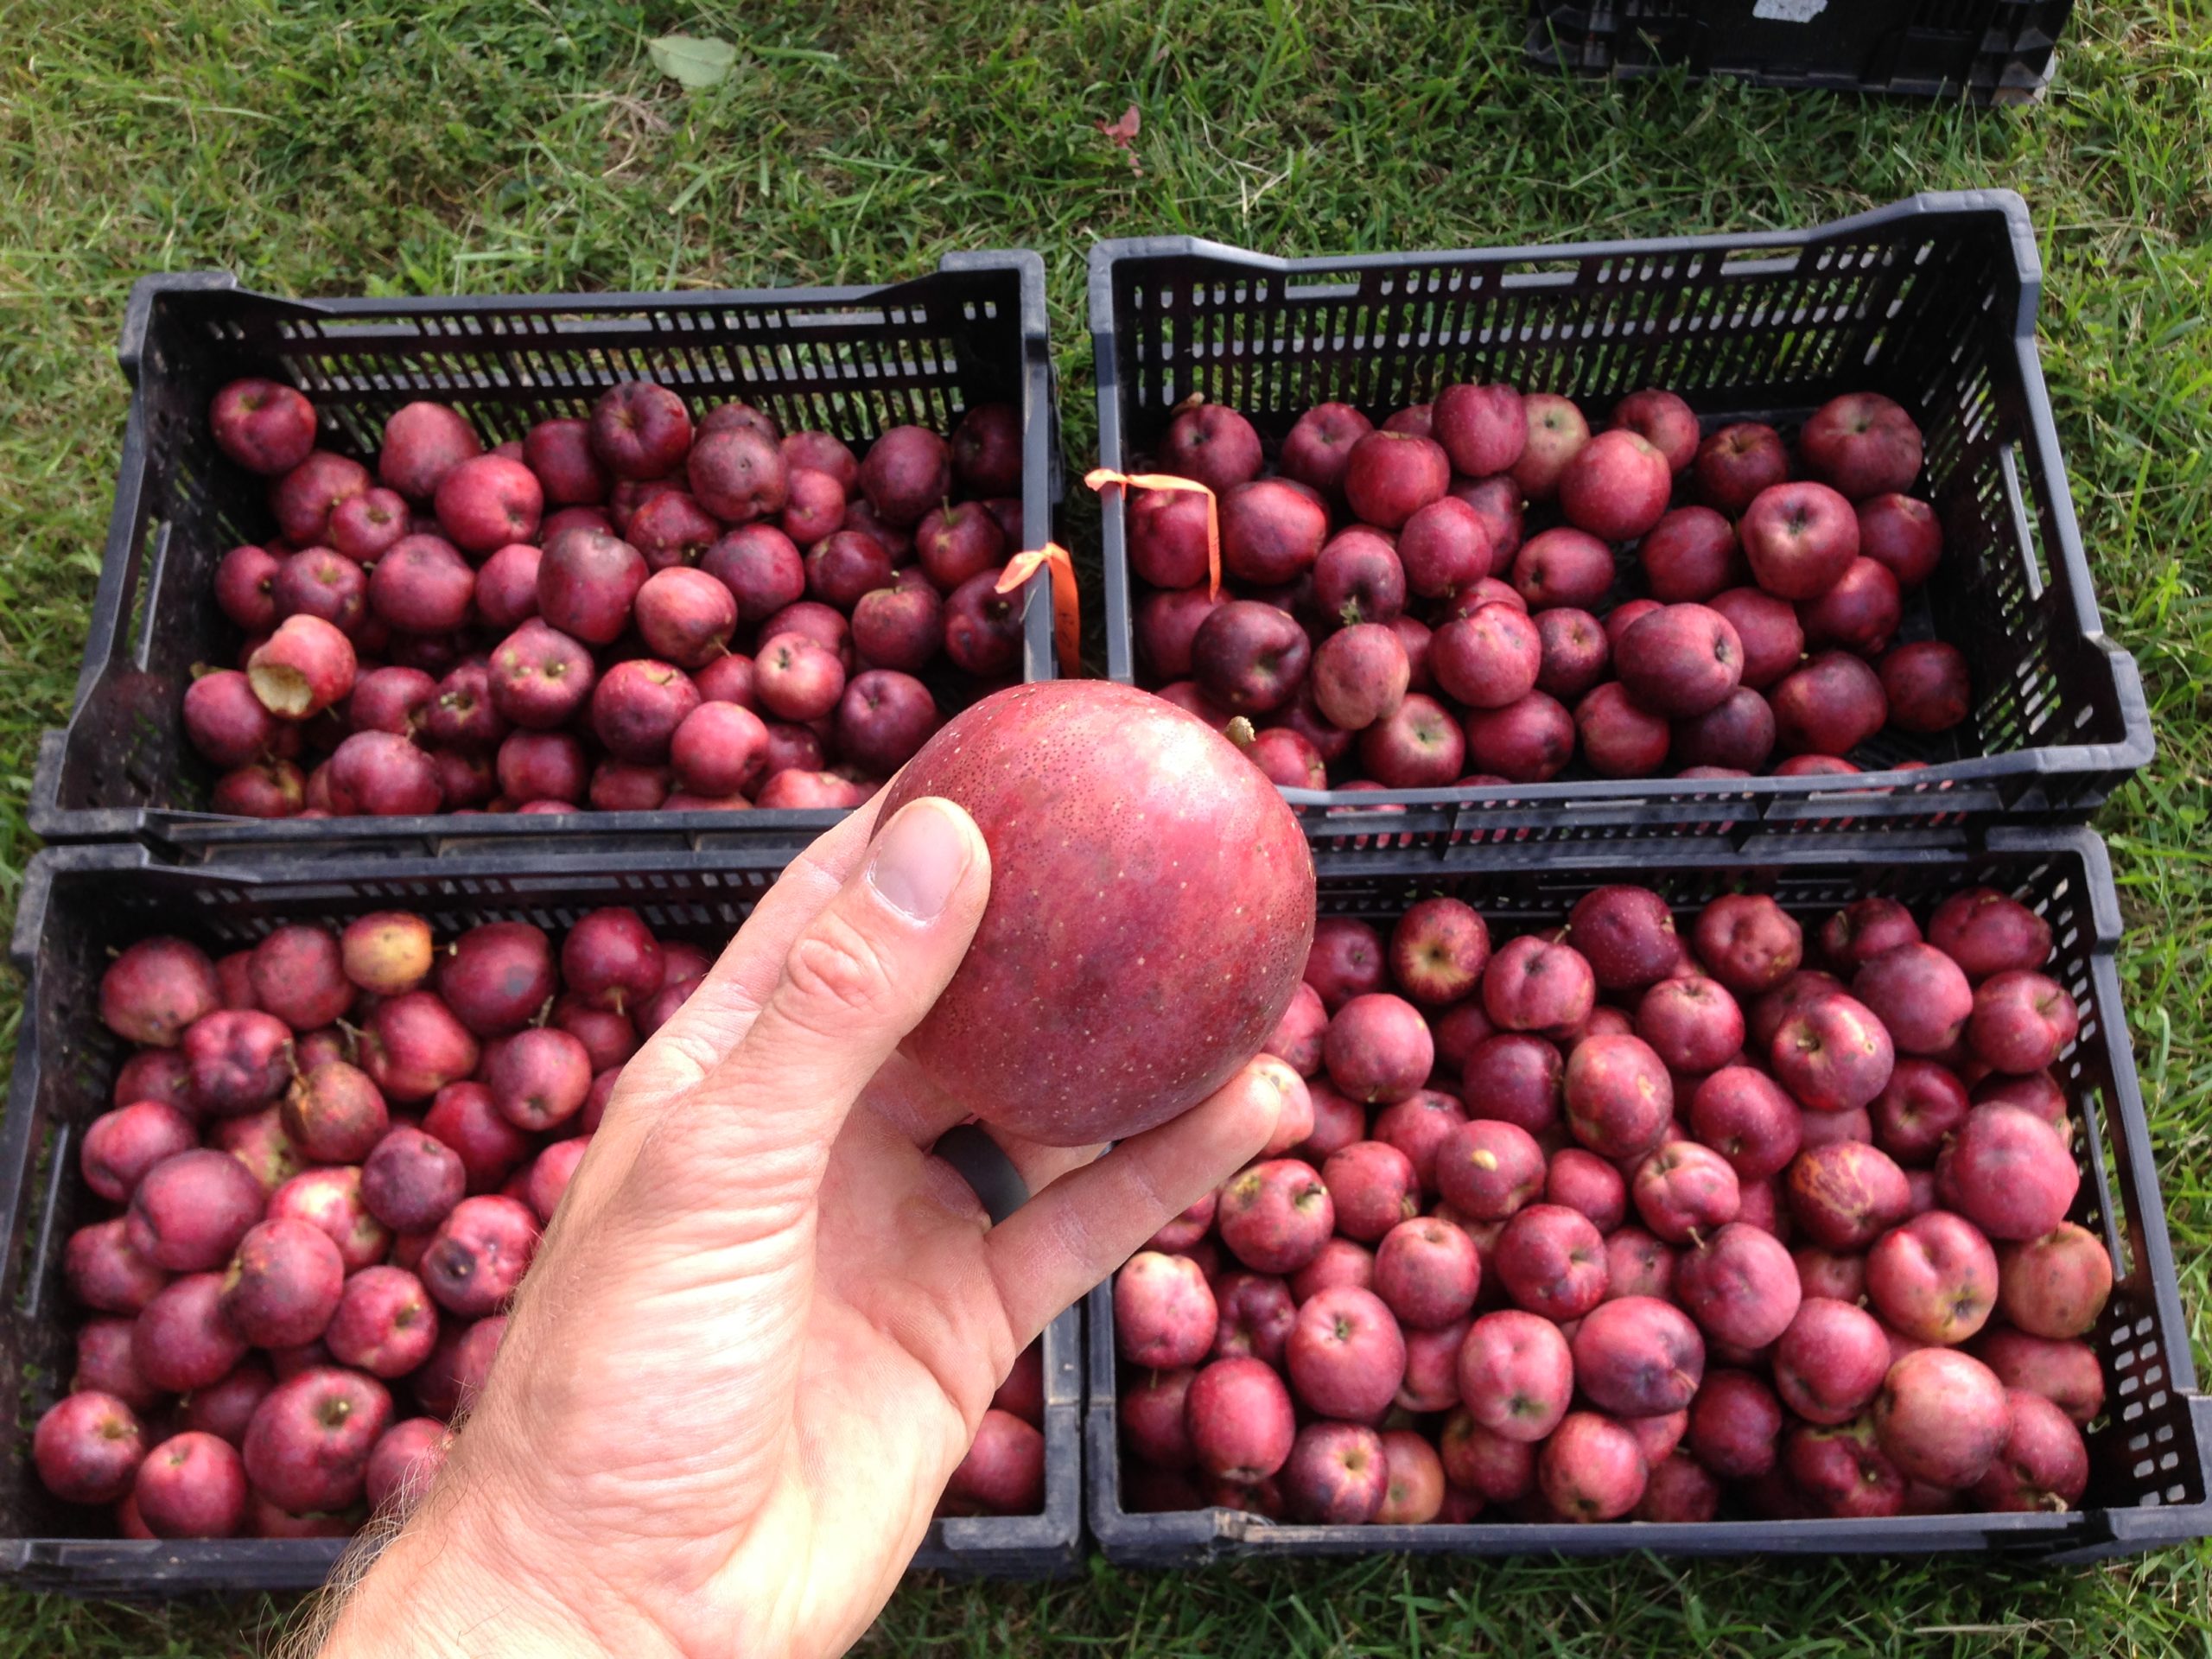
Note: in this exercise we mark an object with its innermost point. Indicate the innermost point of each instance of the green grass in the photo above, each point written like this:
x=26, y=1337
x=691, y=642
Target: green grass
x=312, y=148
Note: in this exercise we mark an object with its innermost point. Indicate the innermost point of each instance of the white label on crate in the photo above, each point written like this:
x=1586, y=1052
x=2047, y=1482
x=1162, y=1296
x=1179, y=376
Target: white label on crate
x=1789, y=11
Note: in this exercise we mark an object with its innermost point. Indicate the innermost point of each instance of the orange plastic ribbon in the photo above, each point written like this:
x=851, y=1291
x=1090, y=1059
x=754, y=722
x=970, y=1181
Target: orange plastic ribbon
x=1099, y=478
x=1067, y=604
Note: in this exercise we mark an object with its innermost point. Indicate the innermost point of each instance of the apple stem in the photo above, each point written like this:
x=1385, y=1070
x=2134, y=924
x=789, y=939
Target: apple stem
x=1239, y=731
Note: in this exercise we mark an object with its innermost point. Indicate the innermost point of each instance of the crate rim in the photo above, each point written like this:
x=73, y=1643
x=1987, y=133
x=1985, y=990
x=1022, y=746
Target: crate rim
x=1694, y=802
x=218, y=838
x=2000, y=202
x=150, y=288
x=451, y=870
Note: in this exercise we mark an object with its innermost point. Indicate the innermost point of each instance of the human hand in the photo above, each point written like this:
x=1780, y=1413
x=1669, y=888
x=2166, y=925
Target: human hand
x=764, y=1323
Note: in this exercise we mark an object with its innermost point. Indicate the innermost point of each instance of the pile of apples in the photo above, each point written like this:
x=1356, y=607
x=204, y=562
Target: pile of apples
x=1630, y=1221
x=326, y=1170
x=1384, y=623
x=628, y=611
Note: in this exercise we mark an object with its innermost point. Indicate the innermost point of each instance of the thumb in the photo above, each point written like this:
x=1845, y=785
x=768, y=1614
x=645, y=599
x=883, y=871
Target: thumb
x=857, y=980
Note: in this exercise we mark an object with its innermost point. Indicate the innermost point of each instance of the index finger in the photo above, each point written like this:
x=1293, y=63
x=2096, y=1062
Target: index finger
x=721, y=1009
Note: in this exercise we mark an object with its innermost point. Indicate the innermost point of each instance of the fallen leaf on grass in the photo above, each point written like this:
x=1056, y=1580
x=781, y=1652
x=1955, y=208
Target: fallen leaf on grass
x=1123, y=135
x=695, y=63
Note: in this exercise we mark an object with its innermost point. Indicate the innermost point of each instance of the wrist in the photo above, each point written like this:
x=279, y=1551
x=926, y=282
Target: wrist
x=449, y=1587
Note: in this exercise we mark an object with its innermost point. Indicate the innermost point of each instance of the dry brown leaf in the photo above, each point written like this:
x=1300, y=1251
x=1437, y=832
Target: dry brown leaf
x=1123, y=133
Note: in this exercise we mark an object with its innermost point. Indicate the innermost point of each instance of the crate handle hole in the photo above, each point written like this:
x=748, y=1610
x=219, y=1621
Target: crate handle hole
x=1761, y=261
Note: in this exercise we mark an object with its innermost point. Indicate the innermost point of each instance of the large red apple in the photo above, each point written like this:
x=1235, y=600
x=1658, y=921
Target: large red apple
x=1103, y=994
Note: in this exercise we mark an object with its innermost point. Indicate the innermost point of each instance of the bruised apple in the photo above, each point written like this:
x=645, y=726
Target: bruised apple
x=1102, y=807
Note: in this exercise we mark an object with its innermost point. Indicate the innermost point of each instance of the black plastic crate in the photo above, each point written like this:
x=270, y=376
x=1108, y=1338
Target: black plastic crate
x=1931, y=301
x=849, y=360
x=81, y=904
x=2150, y=1479
x=1987, y=51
